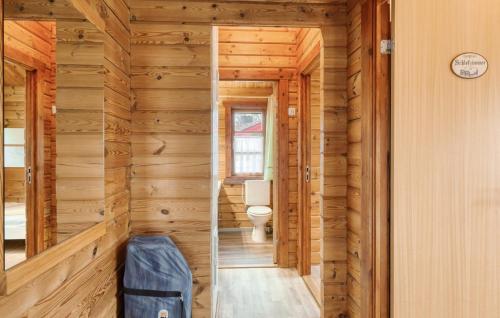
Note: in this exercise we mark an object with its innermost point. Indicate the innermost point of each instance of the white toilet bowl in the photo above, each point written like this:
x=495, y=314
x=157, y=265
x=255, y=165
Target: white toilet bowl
x=258, y=199
x=259, y=215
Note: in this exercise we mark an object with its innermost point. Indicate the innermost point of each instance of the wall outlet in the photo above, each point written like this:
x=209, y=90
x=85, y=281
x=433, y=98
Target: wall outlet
x=292, y=111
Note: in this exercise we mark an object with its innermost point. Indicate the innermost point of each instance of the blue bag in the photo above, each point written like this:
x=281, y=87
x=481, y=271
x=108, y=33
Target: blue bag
x=158, y=281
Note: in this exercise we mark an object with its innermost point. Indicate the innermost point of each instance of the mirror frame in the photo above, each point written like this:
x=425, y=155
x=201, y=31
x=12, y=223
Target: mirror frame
x=24, y=272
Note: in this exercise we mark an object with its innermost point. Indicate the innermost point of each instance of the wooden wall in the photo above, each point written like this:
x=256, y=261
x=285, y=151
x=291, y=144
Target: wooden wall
x=32, y=41
x=79, y=121
x=171, y=142
x=232, y=208
x=237, y=12
x=315, y=166
x=354, y=161
x=14, y=93
x=334, y=170
x=88, y=282
x=445, y=152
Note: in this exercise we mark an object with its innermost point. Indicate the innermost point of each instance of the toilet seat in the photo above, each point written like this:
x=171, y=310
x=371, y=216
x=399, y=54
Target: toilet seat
x=259, y=210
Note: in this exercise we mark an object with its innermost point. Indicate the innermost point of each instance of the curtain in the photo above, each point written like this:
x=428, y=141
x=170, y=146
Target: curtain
x=248, y=154
x=269, y=145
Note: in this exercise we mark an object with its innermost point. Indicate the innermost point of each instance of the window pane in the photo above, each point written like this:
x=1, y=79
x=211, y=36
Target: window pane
x=14, y=147
x=248, y=143
x=14, y=157
x=247, y=122
x=13, y=136
x=248, y=154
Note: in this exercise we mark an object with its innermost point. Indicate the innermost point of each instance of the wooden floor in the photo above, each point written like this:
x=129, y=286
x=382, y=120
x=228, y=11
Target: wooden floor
x=14, y=253
x=236, y=249
x=264, y=292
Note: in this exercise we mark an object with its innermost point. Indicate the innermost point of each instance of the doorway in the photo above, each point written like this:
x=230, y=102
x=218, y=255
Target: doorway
x=247, y=111
x=256, y=63
x=293, y=241
x=23, y=238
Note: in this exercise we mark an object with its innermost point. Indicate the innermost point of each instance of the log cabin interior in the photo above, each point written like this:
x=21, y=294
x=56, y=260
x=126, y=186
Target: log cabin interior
x=309, y=158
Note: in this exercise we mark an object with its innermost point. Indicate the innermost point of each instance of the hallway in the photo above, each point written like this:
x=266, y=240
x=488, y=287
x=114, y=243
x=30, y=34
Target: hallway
x=264, y=292
x=236, y=249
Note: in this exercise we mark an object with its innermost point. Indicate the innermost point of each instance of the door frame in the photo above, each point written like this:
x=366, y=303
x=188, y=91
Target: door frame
x=311, y=62
x=34, y=153
x=375, y=247
x=304, y=184
x=281, y=241
x=33, y=232
x=375, y=160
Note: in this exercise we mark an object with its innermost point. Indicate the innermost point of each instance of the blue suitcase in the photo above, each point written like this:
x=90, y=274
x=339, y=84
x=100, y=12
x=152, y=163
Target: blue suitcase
x=158, y=281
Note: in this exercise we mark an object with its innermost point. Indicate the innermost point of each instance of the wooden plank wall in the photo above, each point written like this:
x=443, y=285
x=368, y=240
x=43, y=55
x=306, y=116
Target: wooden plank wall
x=171, y=142
x=354, y=160
x=79, y=121
x=315, y=166
x=334, y=170
x=265, y=51
x=88, y=282
x=33, y=40
x=232, y=209
x=14, y=95
x=237, y=12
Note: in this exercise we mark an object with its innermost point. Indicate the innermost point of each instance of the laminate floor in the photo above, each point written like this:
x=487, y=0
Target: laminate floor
x=264, y=292
x=14, y=253
x=236, y=249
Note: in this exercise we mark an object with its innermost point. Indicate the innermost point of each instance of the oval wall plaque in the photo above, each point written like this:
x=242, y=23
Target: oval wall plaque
x=469, y=65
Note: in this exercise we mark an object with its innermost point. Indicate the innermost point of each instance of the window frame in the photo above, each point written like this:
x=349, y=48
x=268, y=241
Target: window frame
x=232, y=107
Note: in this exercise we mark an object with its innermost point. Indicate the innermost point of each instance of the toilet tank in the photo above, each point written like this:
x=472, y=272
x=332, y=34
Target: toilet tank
x=257, y=192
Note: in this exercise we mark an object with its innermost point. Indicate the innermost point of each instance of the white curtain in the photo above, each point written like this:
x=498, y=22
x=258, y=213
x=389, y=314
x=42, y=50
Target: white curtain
x=269, y=145
x=248, y=154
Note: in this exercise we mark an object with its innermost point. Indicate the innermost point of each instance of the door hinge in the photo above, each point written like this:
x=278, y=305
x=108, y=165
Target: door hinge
x=386, y=47
x=308, y=173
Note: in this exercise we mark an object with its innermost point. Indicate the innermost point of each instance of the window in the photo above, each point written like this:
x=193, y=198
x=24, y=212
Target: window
x=13, y=147
x=245, y=140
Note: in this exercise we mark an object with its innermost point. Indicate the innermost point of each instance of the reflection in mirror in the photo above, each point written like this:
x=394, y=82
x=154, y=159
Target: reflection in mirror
x=53, y=133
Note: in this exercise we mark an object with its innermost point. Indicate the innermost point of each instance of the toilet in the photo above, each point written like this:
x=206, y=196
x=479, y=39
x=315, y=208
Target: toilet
x=257, y=200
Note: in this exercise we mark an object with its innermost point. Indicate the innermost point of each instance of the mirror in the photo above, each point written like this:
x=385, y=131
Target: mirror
x=53, y=147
